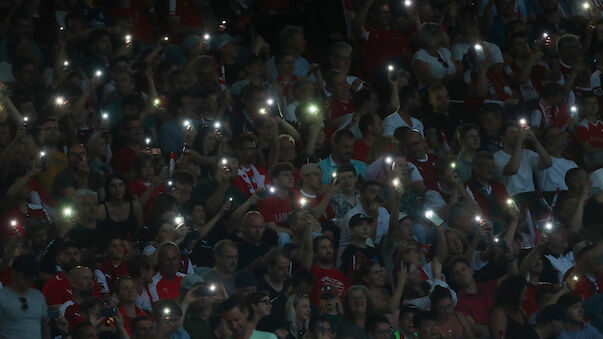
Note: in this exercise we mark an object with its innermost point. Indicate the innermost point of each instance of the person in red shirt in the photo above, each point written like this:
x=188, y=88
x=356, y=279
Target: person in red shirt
x=284, y=81
x=418, y=156
x=474, y=299
x=81, y=281
x=586, y=277
x=114, y=265
x=127, y=291
x=310, y=186
x=166, y=282
x=249, y=177
x=278, y=205
x=589, y=132
x=123, y=160
x=137, y=13
x=370, y=127
x=341, y=102
x=379, y=42
x=324, y=271
x=57, y=289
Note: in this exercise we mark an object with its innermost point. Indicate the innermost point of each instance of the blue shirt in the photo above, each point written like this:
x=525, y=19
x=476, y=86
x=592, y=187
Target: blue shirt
x=586, y=332
x=328, y=167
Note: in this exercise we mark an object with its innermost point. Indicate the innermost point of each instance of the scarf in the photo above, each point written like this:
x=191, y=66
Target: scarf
x=253, y=183
x=553, y=116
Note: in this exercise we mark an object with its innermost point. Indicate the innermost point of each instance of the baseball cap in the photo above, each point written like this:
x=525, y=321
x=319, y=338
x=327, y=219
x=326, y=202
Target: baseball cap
x=310, y=168
x=190, y=280
x=26, y=264
x=358, y=218
x=554, y=312
x=402, y=215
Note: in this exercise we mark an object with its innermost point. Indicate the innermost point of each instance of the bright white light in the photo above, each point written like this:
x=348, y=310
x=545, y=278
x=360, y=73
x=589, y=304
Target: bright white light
x=206, y=37
x=523, y=122
x=25, y=119
x=105, y=116
x=98, y=73
x=128, y=38
x=270, y=101
x=478, y=47
x=396, y=182
x=262, y=111
x=187, y=123
x=586, y=5
x=496, y=239
x=229, y=199
x=312, y=109
x=42, y=154
x=478, y=218
x=548, y=226
x=170, y=183
x=147, y=141
x=166, y=38
x=156, y=101
x=574, y=109
x=334, y=174
x=428, y=214
x=60, y=100
x=407, y=3
x=178, y=220
x=166, y=311
x=224, y=161
x=545, y=35
x=576, y=278
x=212, y=287
x=217, y=125
x=65, y=63
x=453, y=165
x=303, y=201
x=13, y=223
x=61, y=28
x=272, y=189
x=390, y=68
x=509, y=201
x=388, y=160
x=67, y=211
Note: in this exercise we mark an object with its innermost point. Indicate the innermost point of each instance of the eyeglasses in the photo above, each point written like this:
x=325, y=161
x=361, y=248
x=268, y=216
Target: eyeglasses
x=24, y=305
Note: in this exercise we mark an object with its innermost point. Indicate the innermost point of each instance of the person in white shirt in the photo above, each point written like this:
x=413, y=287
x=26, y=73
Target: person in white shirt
x=409, y=100
x=433, y=62
x=340, y=57
x=514, y=164
x=552, y=178
x=369, y=193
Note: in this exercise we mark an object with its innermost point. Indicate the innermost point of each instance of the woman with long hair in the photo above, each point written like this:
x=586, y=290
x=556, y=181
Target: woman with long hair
x=507, y=318
x=357, y=307
x=451, y=323
x=298, y=315
x=120, y=213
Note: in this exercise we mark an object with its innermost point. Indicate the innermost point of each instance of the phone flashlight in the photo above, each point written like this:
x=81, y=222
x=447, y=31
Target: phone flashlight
x=166, y=38
x=61, y=28
x=262, y=111
x=65, y=63
x=407, y=3
x=59, y=100
x=229, y=199
x=170, y=183
x=187, y=124
x=217, y=125
x=178, y=220
x=390, y=68
x=42, y=154
x=510, y=202
x=453, y=165
x=147, y=141
x=586, y=5
x=548, y=226
x=312, y=109
x=396, y=182
x=206, y=36
x=212, y=287
x=545, y=35
x=128, y=38
x=334, y=175
x=98, y=73
x=156, y=102
x=270, y=101
x=478, y=218
x=25, y=120
x=105, y=116
x=166, y=311
x=576, y=278
x=67, y=212
x=303, y=201
x=224, y=161
x=272, y=190
x=13, y=223
x=428, y=214
x=496, y=239
x=523, y=123
x=388, y=160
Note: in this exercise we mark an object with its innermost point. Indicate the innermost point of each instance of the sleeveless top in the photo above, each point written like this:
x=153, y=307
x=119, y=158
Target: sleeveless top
x=126, y=229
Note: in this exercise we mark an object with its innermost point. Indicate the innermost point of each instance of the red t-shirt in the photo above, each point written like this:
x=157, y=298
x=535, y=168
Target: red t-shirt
x=137, y=16
x=585, y=287
x=361, y=150
x=427, y=170
x=57, y=290
x=123, y=160
x=124, y=314
x=245, y=183
x=339, y=108
x=329, y=277
x=137, y=187
x=477, y=305
x=112, y=273
x=530, y=306
x=381, y=46
x=162, y=288
x=73, y=314
x=591, y=133
x=276, y=210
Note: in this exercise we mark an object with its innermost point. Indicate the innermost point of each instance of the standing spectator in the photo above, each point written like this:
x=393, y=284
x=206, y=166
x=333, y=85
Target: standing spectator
x=370, y=127
x=23, y=311
x=121, y=213
x=127, y=291
x=348, y=196
x=298, y=315
x=292, y=41
x=123, y=160
x=423, y=160
x=433, y=63
x=507, y=318
x=468, y=138
x=276, y=279
x=77, y=175
x=577, y=328
x=278, y=206
x=235, y=314
x=589, y=132
x=409, y=101
x=515, y=164
x=250, y=177
x=57, y=289
x=252, y=244
x=356, y=310
x=552, y=178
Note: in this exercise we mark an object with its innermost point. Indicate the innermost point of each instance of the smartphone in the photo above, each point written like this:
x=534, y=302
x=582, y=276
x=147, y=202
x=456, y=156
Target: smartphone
x=206, y=291
x=434, y=218
x=108, y=312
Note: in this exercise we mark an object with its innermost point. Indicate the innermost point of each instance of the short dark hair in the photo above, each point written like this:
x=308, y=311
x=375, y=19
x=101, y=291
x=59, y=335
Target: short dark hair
x=275, y=253
x=456, y=260
x=342, y=133
x=346, y=168
x=315, y=322
x=237, y=144
x=279, y=168
x=134, y=323
x=568, y=299
x=136, y=263
x=317, y=241
x=367, y=184
x=229, y=304
x=374, y=321
x=481, y=156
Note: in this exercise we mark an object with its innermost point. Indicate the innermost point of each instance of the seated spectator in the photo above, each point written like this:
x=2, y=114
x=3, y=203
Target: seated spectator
x=576, y=327
x=356, y=310
x=552, y=179
x=249, y=177
x=226, y=256
x=123, y=161
x=236, y=316
x=119, y=199
x=76, y=176
x=371, y=274
x=347, y=196
x=418, y=156
x=357, y=251
x=298, y=315
x=310, y=185
x=127, y=291
x=468, y=138
x=507, y=317
x=426, y=324
x=343, y=148
x=553, y=110
x=449, y=321
x=114, y=266
x=166, y=282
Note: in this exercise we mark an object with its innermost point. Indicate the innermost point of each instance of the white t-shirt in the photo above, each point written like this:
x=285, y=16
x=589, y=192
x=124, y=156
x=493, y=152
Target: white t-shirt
x=522, y=181
x=549, y=179
x=596, y=178
x=438, y=70
x=394, y=121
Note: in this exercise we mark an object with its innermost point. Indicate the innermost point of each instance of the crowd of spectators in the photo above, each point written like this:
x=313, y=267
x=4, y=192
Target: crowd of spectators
x=301, y=169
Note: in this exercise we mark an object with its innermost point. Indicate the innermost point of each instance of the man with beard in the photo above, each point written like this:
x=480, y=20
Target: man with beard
x=56, y=161
x=57, y=289
x=82, y=285
x=77, y=175
x=326, y=276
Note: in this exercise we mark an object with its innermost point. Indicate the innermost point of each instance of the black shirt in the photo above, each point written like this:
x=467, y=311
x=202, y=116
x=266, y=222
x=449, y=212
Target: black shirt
x=360, y=254
x=278, y=298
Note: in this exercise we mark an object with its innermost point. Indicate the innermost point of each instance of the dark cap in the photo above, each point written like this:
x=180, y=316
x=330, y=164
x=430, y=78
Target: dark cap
x=358, y=218
x=25, y=264
x=554, y=312
x=67, y=244
x=245, y=278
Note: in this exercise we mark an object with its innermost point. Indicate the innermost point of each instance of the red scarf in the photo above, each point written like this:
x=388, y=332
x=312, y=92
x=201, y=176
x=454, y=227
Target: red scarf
x=553, y=116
